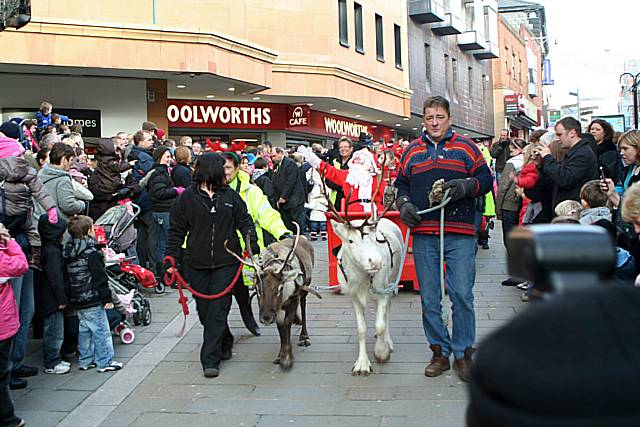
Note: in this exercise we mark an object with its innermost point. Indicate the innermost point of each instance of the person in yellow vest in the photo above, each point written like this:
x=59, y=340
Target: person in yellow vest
x=265, y=218
x=487, y=204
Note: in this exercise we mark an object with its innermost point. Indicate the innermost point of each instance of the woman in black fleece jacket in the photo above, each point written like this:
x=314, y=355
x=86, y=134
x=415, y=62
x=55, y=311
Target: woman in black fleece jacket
x=209, y=213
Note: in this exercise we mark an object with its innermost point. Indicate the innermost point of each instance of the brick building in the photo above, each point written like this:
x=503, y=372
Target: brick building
x=517, y=77
x=451, y=45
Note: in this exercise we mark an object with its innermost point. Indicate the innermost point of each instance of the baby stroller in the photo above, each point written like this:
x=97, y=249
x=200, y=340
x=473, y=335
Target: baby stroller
x=115, y=228
x=119, y=322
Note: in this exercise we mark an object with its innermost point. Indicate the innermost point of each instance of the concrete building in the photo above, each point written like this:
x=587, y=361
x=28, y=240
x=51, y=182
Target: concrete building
x=299, y=70
x=451, y=44
x=517, y=76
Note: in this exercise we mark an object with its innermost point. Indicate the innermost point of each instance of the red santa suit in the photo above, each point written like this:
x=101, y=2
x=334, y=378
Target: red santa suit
x=361, y=180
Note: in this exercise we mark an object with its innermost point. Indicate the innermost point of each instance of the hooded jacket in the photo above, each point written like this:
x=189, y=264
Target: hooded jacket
x=106, y=178
x=13, y=263
x=143, y=165
x=579, y=166
x=87, y=284
x=507, y=198
x=49, y=291
x=20, y=182
x=209, y=222
x=591, y=215
x=262, y=180
x=161, y=190
x=264, y=216
x=58, y=184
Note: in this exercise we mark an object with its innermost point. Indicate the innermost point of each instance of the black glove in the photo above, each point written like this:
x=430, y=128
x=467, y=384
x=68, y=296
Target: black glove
x=123, y=193
x=134, y=155
x=408, y=212
x=287, y=236
x=461, y=188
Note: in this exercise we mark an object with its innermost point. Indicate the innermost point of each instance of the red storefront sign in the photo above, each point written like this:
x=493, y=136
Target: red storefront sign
x=264, y=116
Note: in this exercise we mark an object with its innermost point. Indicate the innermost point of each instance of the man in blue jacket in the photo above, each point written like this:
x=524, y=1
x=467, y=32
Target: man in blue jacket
x=141, y=153
x=443, y=154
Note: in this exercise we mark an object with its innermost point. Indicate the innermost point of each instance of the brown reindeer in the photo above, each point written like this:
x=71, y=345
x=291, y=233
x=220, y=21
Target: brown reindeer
x=282, y=278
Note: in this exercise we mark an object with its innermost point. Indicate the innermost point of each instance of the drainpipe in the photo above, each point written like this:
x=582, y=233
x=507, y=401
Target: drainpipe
x=154, y=11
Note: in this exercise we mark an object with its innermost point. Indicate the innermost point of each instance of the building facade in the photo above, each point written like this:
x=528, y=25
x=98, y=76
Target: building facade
x=517, y=77
x=451, y=44
x=343, y=61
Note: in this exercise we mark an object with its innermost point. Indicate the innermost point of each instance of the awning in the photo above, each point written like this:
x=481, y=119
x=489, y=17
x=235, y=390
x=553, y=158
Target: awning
x=522, y=121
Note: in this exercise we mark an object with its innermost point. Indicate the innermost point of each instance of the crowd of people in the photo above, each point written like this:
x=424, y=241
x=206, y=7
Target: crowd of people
x=196, y=199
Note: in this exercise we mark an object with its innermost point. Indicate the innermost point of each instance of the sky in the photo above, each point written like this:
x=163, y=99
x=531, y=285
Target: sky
x=589, y=40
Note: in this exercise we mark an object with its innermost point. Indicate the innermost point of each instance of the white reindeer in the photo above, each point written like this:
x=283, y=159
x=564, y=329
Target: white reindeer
x=369, y=264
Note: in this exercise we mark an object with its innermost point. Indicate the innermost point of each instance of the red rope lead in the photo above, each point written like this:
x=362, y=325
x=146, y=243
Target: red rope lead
x=176, y=277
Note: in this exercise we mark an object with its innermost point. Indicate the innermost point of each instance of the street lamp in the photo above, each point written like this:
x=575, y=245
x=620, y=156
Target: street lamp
x=634, y=91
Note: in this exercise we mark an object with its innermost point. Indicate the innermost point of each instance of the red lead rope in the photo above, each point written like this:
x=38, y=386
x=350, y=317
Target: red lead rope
x=176, y=277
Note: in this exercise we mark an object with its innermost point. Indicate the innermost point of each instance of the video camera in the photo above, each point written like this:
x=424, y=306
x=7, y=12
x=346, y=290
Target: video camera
x=561, y=258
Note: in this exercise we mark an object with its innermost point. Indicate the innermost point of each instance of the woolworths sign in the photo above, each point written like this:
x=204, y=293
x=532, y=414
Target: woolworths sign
x=343, y=127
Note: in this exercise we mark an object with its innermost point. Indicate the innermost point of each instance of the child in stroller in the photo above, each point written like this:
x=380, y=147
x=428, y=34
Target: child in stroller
x=115, y=228
x=127, y=305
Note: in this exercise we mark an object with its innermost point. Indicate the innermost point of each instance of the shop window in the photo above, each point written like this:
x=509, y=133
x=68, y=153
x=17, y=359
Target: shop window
x=397, y=35
x=379, y=39
x=357, y=14
x=342, y=23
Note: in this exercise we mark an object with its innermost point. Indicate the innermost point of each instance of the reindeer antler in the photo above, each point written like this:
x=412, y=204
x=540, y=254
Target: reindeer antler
x=332, y=209
x=239, y=258
x=293, y=249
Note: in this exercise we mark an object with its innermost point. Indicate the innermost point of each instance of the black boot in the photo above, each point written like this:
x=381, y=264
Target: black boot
x=242, y=298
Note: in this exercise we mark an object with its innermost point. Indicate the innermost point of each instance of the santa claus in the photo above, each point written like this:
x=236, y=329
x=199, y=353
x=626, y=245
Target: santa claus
x=359, y=182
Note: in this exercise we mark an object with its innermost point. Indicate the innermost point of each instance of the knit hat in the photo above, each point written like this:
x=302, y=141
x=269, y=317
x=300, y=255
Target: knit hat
x=160, y=133
x=11, y=130
x=149, y=126
x=159, y=152
x=573, y=360
x=10, y=148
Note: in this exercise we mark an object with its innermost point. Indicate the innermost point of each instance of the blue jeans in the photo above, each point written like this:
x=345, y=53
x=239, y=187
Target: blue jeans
x=52, y=338
x=94, y=337
x=23, y=291
x=162, y=221
x=318, y=226
x=460, y=257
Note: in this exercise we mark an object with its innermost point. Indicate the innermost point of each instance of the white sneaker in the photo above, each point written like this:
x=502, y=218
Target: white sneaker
x=59, y=369
x=113, y=366
x=62, y=362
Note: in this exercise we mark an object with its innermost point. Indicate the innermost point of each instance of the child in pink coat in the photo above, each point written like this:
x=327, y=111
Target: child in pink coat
x=13, y=263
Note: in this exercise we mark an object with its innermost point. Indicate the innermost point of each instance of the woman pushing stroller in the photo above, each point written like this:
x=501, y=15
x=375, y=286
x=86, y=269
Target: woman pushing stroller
x=208, y=213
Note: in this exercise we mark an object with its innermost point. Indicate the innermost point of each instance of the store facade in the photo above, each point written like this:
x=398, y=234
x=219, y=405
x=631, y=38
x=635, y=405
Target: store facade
x=254, y=123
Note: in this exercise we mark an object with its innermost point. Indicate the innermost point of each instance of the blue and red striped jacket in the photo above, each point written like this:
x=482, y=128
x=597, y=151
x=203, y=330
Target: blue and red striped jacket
x=424, y=162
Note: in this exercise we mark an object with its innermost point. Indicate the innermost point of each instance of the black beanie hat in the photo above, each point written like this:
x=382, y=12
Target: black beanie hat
x=571, y=361
x=159, y=152
x=11, y=130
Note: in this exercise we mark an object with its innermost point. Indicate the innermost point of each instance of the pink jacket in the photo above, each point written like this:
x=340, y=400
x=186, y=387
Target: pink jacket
x=13, y=263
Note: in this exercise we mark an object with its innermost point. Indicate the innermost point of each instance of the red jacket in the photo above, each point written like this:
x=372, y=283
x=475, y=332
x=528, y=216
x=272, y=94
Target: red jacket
x=339, y=177
x=13, y=263
x=528, y=176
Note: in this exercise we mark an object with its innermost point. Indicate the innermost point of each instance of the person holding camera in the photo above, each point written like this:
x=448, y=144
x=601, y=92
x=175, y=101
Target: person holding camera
x=499, y=150
x=440, y=154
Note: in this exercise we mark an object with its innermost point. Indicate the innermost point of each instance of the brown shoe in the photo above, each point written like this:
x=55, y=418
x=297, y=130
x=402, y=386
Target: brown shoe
x=438, y=364
x=463, y=366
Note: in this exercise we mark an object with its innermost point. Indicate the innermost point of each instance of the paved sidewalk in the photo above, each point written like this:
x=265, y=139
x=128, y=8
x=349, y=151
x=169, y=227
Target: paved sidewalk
x=163, y=383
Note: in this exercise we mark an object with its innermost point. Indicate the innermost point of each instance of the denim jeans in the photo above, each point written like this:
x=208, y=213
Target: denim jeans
x=460, y=257
x=7, y=416
x=318, y=226
x=162, y=221
x=23, y=291
x=94, y=337
x=52, y=338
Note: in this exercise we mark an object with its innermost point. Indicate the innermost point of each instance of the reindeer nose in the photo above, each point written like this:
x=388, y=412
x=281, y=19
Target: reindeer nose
x=267, y=319
x=374, y=264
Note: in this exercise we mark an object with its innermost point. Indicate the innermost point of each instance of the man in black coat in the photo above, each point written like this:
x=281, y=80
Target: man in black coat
x=579, y=165
x=499, y=150
x=288, y=188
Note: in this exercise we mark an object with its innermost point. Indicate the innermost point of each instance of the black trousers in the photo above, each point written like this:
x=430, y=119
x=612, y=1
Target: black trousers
x=510, y=220
x=146, y=244
x=7, y=416
x=291, y=215
x=216, y=337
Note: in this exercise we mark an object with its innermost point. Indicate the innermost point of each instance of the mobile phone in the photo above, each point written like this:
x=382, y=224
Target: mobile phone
x=602, y=177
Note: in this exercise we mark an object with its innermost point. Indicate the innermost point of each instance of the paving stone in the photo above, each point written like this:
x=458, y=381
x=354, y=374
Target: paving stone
x=154, y=419
x=317, y=421
x=35, y=418
x=43, y=400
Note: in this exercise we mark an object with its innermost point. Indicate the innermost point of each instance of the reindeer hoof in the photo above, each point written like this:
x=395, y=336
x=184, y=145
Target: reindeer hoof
x=276, y=361
x=304, y=342
x=361, y=373
x=286, y=363
x=382, y=359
